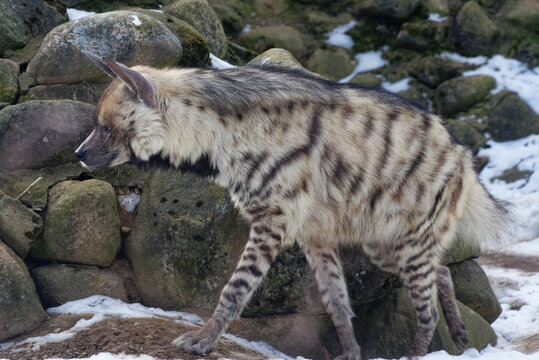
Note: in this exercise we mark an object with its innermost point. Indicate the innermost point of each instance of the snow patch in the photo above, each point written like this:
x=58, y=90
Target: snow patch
x=129, y=202
x=396, y=87
x=436, y=17
x=338, y=35
x=366, y=61
x=136, y=20
x=477, y=60
x=217, y=63
x=74, y=14
x=246, y=28
x=157, y=11
x=511, y=74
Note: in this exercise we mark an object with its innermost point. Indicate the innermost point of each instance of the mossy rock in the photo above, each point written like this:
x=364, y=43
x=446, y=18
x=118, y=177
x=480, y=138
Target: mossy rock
x=19, y=226
x=466, y=134
x=185, y=242
x=8, y=81
x=24, y=55
x=57, y=284
x=20, y=309
x=319, y=22
x=81, y=224
x=423, y=35
x=437, y=6
x=200, y=15
x=196, y=51
x=238, y=55
x=128, y=37
x=372, y=33
x=459, y=94
x=397, y=10
x=233, y=14
x=402, y=63
x=522, y=13
x=331, y=62
x=285, y=287
x=14, y=182
x=264, y=38
x=433, y=70
x=386, y=328
x=277, y=57
x=367, y=79
x=473, y=289
x=461, y=250
x=420, y=94
x=510, y=117
x=473, y=33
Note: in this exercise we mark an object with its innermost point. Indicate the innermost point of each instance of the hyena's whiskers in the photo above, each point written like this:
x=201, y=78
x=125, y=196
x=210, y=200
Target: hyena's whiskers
x=311, y=161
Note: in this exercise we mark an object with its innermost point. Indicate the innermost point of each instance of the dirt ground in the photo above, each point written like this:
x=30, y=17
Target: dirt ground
x=132, y=336
x=135, y=336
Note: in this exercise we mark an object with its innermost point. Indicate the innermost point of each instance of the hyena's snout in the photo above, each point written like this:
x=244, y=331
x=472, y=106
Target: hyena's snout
x=81, y=153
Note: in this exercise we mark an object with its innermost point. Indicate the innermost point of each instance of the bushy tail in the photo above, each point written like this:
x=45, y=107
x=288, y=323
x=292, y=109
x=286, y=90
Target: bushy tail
x=486, y=220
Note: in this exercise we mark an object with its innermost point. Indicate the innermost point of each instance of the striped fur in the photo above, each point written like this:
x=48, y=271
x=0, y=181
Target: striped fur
x=315, y=162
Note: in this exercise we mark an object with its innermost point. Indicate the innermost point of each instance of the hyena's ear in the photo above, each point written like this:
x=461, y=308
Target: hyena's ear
x=136, y=82
x=99, y=62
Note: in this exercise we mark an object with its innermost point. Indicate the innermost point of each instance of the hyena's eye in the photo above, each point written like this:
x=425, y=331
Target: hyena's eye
x=107, y=129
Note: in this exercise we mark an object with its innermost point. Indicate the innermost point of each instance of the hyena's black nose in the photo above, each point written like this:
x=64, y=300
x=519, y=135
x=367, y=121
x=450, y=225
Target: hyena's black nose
x=81, y=154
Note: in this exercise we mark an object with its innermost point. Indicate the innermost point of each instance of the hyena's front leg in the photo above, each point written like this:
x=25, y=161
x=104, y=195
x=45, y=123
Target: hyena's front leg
x=325, y=263
x=262, y=247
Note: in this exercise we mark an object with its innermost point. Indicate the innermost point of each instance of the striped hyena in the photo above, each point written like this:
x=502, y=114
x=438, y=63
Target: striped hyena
x=311, y=161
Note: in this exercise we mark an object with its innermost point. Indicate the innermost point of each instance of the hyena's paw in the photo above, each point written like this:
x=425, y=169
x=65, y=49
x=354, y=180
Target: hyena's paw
x=460, y=338
x=356, y=355
x=194, y=342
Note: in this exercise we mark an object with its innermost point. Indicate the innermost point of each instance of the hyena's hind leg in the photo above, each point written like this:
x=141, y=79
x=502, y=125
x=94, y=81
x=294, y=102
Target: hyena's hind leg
x=262, y=247
x=327, y=269
x=446, y=295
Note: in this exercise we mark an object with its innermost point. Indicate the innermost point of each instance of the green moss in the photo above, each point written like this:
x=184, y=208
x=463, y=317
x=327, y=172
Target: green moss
x=195, y=49
x=372, y=33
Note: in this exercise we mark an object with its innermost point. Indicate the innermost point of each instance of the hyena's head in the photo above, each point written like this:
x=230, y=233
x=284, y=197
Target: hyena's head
x=128, y=125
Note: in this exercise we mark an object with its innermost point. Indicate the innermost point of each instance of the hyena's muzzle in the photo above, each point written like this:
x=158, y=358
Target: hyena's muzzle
x=94, y=152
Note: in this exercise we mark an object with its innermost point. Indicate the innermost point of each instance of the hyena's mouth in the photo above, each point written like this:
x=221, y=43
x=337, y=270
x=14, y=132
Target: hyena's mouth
x=93, y=159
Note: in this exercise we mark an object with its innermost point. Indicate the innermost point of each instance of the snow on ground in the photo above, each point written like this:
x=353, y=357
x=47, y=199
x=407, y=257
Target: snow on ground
x=74, y=14
x=338, y=35
x=398, y=86
x=436, y=17
x=217, y=63
x=366, y=61
x=129, y=201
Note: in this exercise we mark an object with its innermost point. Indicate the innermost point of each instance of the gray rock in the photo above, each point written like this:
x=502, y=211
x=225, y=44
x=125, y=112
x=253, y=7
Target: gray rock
x=473, y=289
x=466, y=134
x=19, y=226
x=42, y=133
x=20, y=309
x=277, y=57
x=460, y=93
x=510, y=118
x=423, y=35
x=84, y=91
x=81, y=224
x=185, y=242
x=461, y=250
x=128, y=37
x=60, y=283
x=200, y=15
x=8, y=81
x=23, y=20
x=367, y=79
x=473, y=33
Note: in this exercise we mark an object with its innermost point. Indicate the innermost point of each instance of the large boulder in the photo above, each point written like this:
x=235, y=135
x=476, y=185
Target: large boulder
x=84, y=91
x=8, y=82
x=185, y=242
x=468, y=135
x=510, y=118
x=386, y=328
x=473, y=289
x=264, y=38
x=128, y=37
x=59, y=283
x=23, y=20
x=333, y=62
x=81, y=224
x=460, y=93
x=19, y=226
x=473, y=33
x=42, y=133
x=200, y=15
x=523, y=13
x=20, y=309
